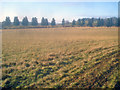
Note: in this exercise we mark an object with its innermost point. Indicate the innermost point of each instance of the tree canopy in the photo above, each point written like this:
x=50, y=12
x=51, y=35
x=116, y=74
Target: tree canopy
x=34, y=21
x=7, y=21
x=25, y=21
x=63, y=22
x=16, y=21
x=73, y=23
x=53, y=23
x=91, y=22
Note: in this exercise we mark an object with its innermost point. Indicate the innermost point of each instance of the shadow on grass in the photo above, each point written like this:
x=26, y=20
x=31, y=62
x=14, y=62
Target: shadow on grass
x=117, y=85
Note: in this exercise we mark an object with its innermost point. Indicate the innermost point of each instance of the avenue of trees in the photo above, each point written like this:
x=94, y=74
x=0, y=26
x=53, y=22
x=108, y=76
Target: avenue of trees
x=91, y=22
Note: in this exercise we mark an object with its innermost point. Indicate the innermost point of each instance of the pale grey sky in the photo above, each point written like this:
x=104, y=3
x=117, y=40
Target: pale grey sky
x=58, y=9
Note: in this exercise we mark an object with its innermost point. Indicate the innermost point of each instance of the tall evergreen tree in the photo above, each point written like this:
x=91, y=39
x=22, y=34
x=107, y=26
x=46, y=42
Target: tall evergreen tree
x=53, y=23
x=63, y=22
x=25, y=21
x=3, y=24
x=118, y=21
x=7, y=21
x=90, y=22
x=73, y=23
x=83, y=22
x=101, y=22
x=34, y=21
x=108, y=22
x=114, y=21
x=46, y=22
x=79, y=22
x=42, y=21
x=111, y=22
x=98, y=22
x=16, y=21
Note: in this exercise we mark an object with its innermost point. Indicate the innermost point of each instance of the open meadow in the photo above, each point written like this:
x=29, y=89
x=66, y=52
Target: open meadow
x=84, y=57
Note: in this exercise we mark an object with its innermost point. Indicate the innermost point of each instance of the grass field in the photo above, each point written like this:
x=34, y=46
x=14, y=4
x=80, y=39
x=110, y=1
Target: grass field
x=60, y=57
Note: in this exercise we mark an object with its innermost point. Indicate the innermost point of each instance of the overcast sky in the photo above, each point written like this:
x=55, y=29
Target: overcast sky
x=58, y=10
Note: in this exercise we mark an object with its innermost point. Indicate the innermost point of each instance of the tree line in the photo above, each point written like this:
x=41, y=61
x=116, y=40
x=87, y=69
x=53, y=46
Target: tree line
x=91, y=22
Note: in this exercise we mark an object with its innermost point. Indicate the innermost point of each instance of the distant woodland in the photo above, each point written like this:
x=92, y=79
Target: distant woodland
x=90, y=22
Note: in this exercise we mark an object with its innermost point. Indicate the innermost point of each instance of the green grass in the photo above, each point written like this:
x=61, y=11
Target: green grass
x=60, y=57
